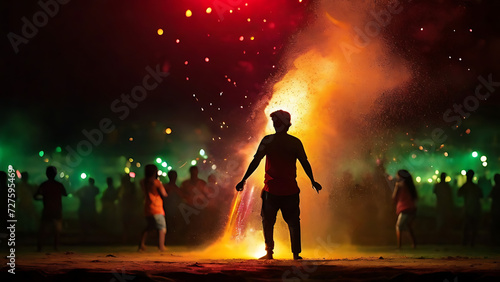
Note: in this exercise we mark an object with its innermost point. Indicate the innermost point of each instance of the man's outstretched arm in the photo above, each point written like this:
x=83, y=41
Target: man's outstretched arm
x=308, y=170
x=251, y=168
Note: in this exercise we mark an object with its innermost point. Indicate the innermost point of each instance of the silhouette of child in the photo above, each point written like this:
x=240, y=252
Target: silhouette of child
x=153, y=207
x=51, y=192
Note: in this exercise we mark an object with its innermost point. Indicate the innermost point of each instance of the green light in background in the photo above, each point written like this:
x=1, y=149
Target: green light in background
x=418, y=179
x=193, y=162
x=474, y=154
x=463, y=172
x=448, y=178
x=83, y=175
x=169, y=168
x=41, y=153
x=436, y=172
x=202, y=152
x=164, y=164
x=483, y=158
x=158, y=160
x=58, y=149
x=485, y=164
x=429, y=180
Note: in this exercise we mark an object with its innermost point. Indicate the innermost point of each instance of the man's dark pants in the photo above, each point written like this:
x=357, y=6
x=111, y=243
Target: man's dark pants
x=289, y=206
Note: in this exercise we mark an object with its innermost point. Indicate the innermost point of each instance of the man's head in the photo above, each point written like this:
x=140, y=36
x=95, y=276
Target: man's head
x=443, y=177
x=281, y=120
x=150, y=171
x=51, y=172
x=193, y=171
x=24, y=176
x=109, y=181
x=91, y=181
x=172, y=175
x=470, y=175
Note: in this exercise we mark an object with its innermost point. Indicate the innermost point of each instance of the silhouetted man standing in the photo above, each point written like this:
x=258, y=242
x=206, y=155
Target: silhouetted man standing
x=87, y=211
x=472, y=194
x=444, y=208
x=281, y=191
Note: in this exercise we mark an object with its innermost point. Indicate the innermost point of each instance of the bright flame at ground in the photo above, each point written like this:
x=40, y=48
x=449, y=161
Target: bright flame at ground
x=239, y=240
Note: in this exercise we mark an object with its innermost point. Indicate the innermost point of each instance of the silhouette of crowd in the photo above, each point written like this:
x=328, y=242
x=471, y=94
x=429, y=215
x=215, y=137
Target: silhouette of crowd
x=461, y=212
x=196, y=210
x=192, y=213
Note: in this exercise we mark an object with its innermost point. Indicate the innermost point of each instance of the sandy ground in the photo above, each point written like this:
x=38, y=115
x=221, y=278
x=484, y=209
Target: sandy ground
x=123, y=263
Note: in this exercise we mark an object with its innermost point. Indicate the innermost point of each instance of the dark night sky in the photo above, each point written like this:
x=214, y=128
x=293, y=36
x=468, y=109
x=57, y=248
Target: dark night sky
x=66, y=77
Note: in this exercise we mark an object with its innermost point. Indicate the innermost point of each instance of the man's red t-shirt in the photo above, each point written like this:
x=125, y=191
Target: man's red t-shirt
x=282, y=152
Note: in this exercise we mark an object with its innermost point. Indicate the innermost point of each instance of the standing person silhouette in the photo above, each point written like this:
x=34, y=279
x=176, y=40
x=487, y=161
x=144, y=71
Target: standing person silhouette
x=87, y=211
x=109, y=211
x=495, y=211
x=472, y=194
x=170, y=206
x=51, y=192
x=192, y=191
x=444, y=208
x=280, y=191
x=4, y=197
x=153, y=207
x=405, y=196
x=192, y=186
x=126, y=203
x=25, y=205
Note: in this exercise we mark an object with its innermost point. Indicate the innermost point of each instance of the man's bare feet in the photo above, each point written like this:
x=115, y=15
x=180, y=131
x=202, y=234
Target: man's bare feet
x=269, y=255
